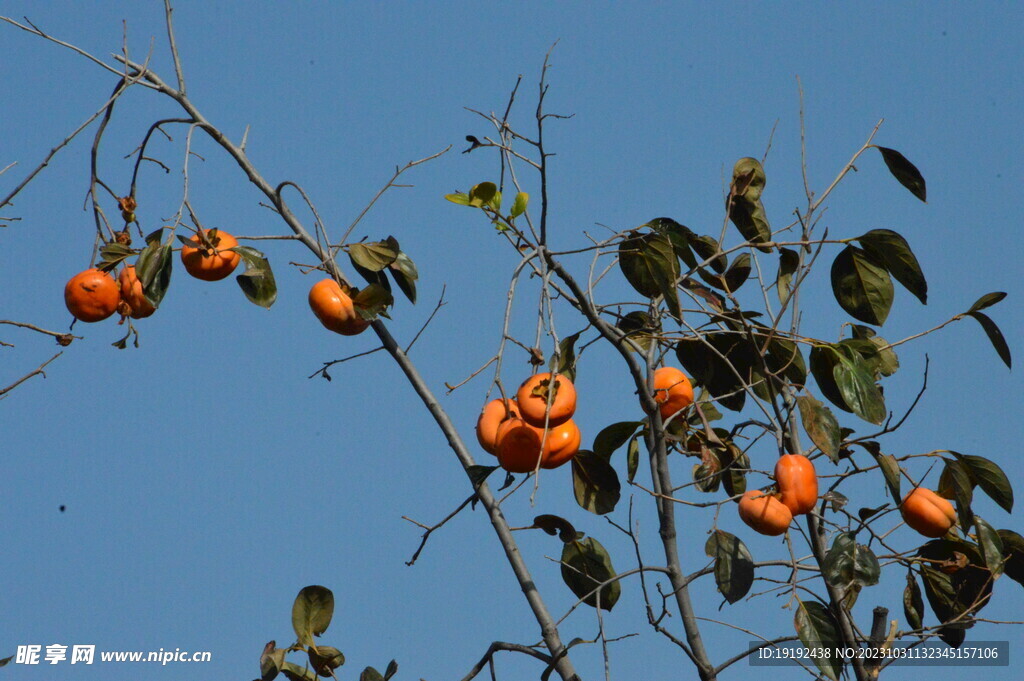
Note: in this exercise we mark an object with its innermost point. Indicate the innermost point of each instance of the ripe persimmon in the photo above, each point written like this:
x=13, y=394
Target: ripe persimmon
x=492, y=416
x=520, y=445
x=561, y=445
x=333, y=307
x=927, y=512
x=131, y=293
x=765, y=513
x=672, y=391
x=798, y=483
x=210, y=264
x=532, y=398
x=91, y=296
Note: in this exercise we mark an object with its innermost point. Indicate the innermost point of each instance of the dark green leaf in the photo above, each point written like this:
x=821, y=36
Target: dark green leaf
x=404, y=271
x=1013, y=549
x=637, y=328
x=391, y=670
x=862, y=286
x=706, y=474
x=858, y=389
x=553, y=524
x=874, y=349
x=370, y=674
x=892, y=250
x=714, y=360
x=987, y=300
x=824, y=359
x=990, y=477
x=153, y=268
x=519, y=205
x=738, y=272
x=848, y=562
x=913, y=604
x=789, y=260
x=995, y=336
x=478, y=474
x=991, y=546
x=905, y=172
x=614, y=436
x=821, y=425
x=751, y=221
x=595, y=483
x=817, y=629
x=650, y=266
x=257, y=282
x=585, y=566
x=891, y=473
x=679, y=235
x=112, y=254
x=865, y=513
x=748, y=178
x=373, y=256
x=956, y=483
x=734, y=566
x=966, y=590
x=564, y=362
x=707, y=248
x=735, y=465
x=312, y=613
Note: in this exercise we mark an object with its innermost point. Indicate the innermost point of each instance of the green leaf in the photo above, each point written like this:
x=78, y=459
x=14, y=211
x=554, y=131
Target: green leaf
x=112, y=254
x=714, y=361
x=370, y=674
x=995, y=336
x=679, y=235
x=296, y=673
x=990, y=477
x=483, y=194
x=858, y=388
x=1013, y=549
x=824, y=359
x=373, y=256
x=324, y=659
x=312, y=613
x=633, y=457
x=153, y=268
x=913, y=604
x=735, y=465
x=271, y=661
x=817, y=629
x=748, y=179
x=257, y=282
x=891, y=472
x=614, y=436
x=650, y=266
x=594, y=482
x=391, y=670
x=585, y=566
x=991, y=546
x=564, y=362
x=459, y=199
x=789, y=260
x=874, y=349
x=556, y=525
x=519, y=205
x=734, y=566
x=905, y=172
x=862, y=286
x=892, y=250
x=405, y=274
x=821, y=425
x=987, y=300
x=372, y=301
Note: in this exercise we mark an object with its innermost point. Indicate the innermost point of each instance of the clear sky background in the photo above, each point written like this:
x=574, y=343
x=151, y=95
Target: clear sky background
x=206, y=479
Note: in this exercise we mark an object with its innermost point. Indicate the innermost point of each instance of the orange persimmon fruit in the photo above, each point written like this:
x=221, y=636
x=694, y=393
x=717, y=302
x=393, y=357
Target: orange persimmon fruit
x=764, y=513
x=131, y=293
x=798, y=483
x=533, y=394
x=493, y=415
x=334, y=308
x=210, y=264
x=92, y=295
x=927, y=512
x=672, y=391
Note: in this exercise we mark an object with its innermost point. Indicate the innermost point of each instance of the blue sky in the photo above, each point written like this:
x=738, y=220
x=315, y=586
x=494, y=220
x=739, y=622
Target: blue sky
x=206, y=479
